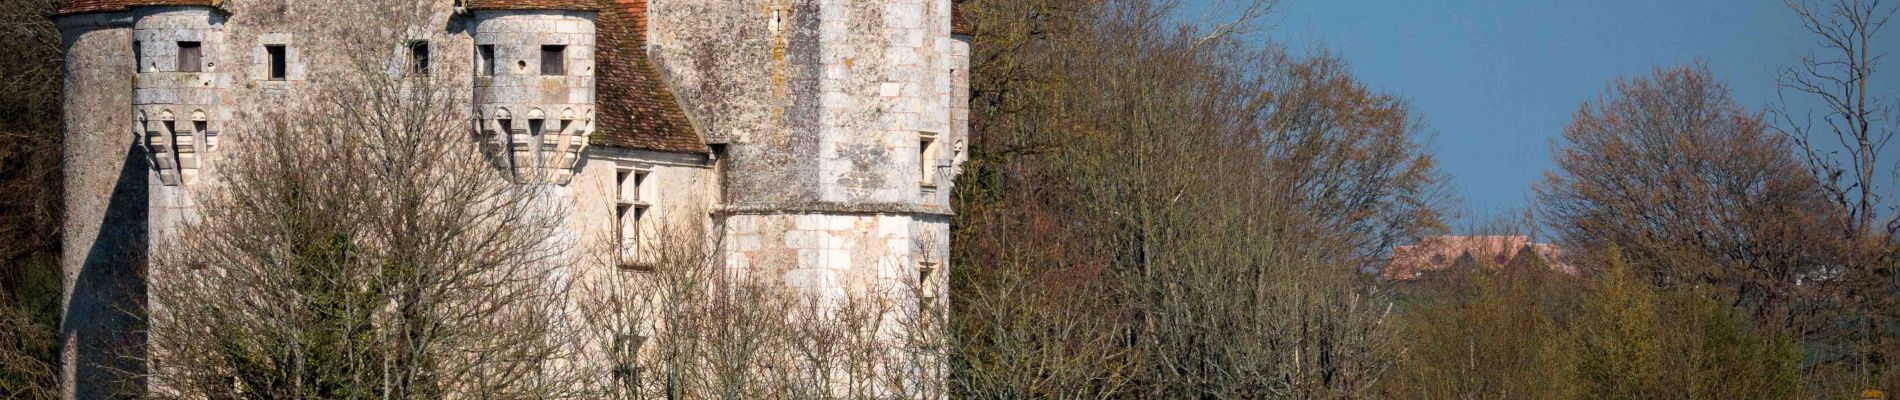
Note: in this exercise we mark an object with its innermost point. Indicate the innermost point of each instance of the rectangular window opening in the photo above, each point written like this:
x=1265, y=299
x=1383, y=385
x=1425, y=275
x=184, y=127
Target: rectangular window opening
x=419, y=58
x=628, y=212
x=553, y=59
x=190, y=57
x=279, y=64
x=927, y=160
x=485, y=59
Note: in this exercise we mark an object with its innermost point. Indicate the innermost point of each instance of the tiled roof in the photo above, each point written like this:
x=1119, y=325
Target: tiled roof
x=577, y=5
x=960, y=23
x=86, y=6
x=1443, y=252
x=635, y=108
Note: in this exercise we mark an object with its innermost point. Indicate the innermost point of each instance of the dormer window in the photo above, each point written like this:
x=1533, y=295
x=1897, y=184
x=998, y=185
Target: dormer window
x=190, y=57
x=553, y=59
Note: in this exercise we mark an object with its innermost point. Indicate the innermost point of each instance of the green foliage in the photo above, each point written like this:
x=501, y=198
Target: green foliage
x=1618, y=336
x=1515, y=332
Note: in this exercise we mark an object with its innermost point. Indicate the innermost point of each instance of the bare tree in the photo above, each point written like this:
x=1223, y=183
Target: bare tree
x=1848, y=153
x=357, y=245
x=1857, y=114
x=29, y=213
x=1174, y=221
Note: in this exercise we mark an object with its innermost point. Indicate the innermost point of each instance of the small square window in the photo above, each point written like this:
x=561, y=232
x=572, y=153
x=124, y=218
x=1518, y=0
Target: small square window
x=190, y=57
x=419, y=58
x=277, y=57
x=554, y=59
x=485, y=59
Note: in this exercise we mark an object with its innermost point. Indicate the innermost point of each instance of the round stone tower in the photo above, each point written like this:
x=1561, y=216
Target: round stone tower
x=141, y=96
x=534, y=86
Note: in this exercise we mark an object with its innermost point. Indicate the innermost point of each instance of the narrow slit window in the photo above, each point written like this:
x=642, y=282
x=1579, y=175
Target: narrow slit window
x=485, y=59
x=719, y=169
x=190, y=57
x=138, y=56
x=553, y=59
x=279, y=64
x=419, y=58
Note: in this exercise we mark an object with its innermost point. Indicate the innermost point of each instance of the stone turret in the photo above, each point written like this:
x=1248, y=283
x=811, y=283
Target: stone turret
x=179, y=51
x=534, y=85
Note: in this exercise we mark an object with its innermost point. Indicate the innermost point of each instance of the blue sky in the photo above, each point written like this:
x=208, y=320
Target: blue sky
x=1496, y=81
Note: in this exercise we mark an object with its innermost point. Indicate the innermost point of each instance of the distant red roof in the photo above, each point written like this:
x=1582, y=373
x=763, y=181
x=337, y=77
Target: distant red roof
x=635, y=108
x=86, y=6
x=1443, y=252
x=576, y=5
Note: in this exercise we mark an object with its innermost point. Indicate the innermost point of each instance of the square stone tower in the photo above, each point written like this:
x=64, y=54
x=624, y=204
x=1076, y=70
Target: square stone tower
x=839, y=124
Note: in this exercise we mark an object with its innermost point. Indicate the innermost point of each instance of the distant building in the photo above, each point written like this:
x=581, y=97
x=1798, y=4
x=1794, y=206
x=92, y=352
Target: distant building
x=1442, y=253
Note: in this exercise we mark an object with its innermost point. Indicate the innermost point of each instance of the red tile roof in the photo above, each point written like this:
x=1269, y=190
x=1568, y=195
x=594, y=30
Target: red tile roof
x=635, y=109
x=1443, y=252
x=960, y=23
x=86, y=6
x=576, y=5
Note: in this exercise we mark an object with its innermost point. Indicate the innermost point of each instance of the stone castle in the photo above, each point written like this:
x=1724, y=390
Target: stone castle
x=820, y=137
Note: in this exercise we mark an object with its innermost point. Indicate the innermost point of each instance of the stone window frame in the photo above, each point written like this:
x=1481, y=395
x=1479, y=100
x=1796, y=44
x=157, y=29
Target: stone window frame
x=929, y=155
x=631, y=206
x=292, y=61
